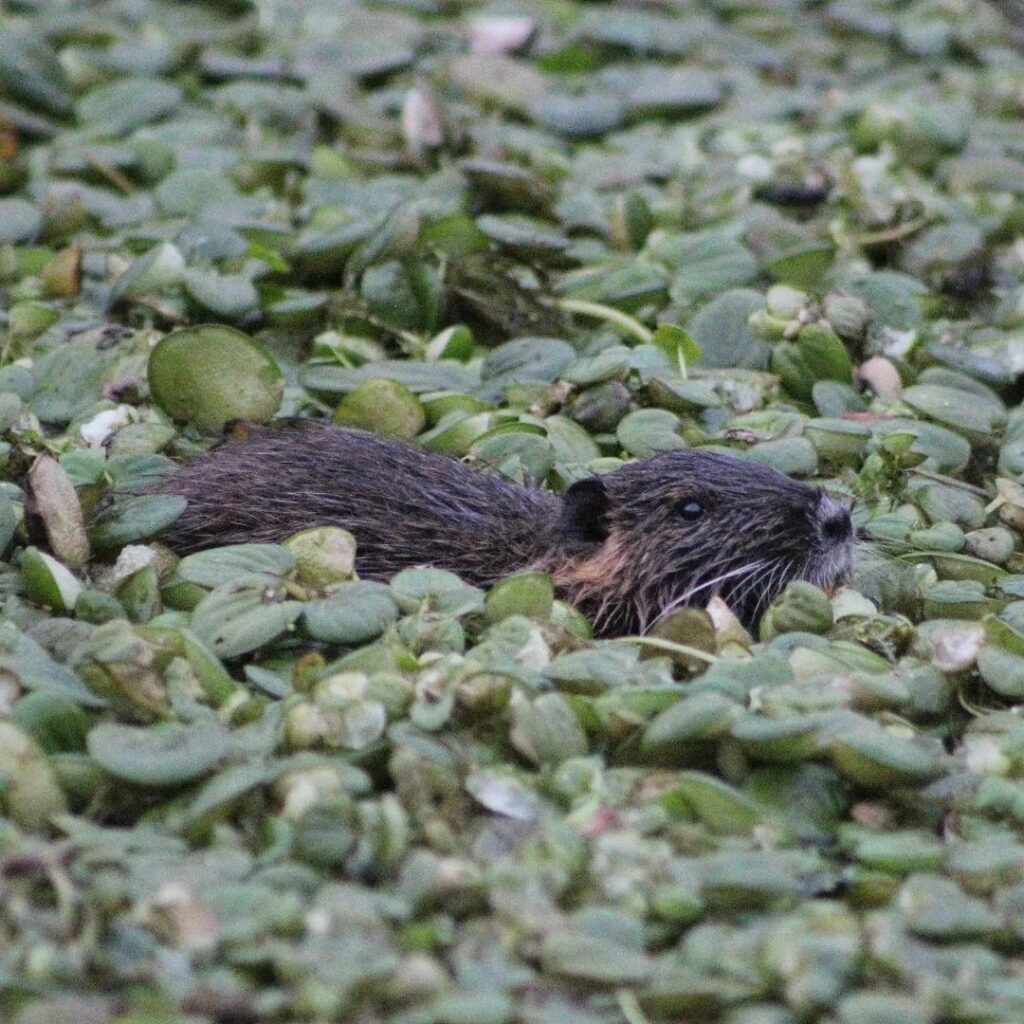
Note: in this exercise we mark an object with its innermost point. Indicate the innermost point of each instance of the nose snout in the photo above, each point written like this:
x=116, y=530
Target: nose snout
x=834, y=520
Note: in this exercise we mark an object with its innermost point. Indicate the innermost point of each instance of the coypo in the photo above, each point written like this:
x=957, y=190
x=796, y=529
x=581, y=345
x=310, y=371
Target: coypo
x=625, y=548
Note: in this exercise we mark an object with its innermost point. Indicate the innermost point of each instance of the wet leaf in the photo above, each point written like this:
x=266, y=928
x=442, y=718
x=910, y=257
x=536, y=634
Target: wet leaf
x=503, y=795
x=47, y=582
x=230, y=296
x=875, y=759
x=352, y=613
x=720, y=328
x=220, y=565
x=590, y=959
x=579, y=117
x=158, y=271
x=648, y=431
x=969, y=414
x=244, y=615
x=208, y=376
x=29, y=793
x=443, y=590
x=382, y=406
x=30, y=664
x=522, y=360
x=19, y=221
x=134, y=518
x=718, y=805
x=159, y=756
x=417, y=377
x=58, y=506
x=122, y=106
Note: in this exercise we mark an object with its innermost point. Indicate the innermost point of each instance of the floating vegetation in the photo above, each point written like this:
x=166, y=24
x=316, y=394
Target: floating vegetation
x=247, y=785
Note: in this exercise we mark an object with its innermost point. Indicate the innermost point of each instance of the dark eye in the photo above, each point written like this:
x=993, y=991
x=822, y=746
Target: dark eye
x=691, y=510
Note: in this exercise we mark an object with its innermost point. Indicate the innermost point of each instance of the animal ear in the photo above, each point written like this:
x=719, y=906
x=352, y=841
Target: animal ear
x=585, y=511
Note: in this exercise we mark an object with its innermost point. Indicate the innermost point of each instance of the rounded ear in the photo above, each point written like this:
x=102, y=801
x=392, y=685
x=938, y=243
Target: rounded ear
x=585, y=512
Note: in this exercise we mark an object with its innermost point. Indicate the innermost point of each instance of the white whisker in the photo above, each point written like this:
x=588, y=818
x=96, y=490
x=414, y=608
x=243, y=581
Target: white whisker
x=685, y=598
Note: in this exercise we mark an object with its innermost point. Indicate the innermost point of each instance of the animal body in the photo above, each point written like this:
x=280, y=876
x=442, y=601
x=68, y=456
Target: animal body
x=626, y=547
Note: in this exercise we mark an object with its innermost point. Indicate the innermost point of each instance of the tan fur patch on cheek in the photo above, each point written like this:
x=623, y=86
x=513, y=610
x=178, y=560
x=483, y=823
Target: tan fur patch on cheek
x=598, y=571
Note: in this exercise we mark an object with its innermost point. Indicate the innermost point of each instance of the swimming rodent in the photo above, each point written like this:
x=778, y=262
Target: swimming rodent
x=625, y=548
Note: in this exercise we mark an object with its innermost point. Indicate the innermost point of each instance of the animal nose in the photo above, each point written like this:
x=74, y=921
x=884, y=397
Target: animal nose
x=835, y=520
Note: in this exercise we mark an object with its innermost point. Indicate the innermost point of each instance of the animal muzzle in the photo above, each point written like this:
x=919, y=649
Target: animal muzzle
x=835, y=542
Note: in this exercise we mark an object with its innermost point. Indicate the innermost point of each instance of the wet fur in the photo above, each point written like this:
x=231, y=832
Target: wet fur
x=760, y=530
x=617, y=545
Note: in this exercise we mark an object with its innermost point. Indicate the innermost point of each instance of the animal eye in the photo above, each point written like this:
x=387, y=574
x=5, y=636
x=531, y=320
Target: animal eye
x=691, y=510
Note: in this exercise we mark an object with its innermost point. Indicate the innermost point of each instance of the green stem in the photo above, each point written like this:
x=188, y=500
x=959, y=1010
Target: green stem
x=949, y=481
x=609, y=314
x=670, y=646
x=629, y=1006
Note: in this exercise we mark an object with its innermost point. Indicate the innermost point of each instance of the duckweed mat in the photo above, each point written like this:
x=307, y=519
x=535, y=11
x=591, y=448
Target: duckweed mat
x=543, y=236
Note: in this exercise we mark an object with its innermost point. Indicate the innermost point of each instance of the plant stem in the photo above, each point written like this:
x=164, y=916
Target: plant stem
x=609, y=314
x=670, y=646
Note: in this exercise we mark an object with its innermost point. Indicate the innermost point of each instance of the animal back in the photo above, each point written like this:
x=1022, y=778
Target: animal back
x=405, y=506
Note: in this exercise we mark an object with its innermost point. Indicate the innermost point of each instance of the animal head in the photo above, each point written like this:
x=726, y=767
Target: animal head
x=685, y=526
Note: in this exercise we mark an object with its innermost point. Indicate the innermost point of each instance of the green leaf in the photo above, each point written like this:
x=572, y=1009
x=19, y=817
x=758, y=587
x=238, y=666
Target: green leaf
x=159, y=756
x=679, y=345
x=134, y=518
x=208, y=376
x=243, y=615
x=217, y=566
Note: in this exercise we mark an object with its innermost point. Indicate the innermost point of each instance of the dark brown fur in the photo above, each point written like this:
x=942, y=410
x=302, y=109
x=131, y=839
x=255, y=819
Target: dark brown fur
x=619, y=546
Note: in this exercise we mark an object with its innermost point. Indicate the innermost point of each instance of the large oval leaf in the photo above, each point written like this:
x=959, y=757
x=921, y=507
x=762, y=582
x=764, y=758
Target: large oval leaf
x=207, y=376
x=353, y=613
x=217, y=566
x=243, y=615
x=160, y=755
